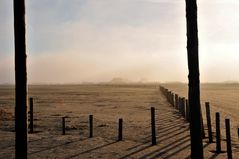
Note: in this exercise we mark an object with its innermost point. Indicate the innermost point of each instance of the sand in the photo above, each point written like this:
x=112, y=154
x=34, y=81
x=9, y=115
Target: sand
x=107, y=103
x=223, y=98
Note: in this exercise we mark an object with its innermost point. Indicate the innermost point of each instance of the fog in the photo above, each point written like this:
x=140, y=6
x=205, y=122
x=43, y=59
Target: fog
x=94, y=41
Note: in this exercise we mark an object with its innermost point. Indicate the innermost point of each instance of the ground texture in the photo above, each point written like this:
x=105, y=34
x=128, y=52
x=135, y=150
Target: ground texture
x=107, y=104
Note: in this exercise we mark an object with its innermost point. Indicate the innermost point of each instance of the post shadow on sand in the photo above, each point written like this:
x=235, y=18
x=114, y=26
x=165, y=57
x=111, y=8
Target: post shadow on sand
x=171, y=130
x=29, y=141
x=168, y=121
x=162, y=131
x=160, y=134
x=169, y=136
x=90, y=150
x=56, y=146
x=184, y=138
x=171, y=127
x=165, y=149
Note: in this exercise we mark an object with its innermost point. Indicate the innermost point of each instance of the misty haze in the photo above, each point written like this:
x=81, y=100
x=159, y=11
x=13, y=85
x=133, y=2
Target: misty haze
x=118, y=79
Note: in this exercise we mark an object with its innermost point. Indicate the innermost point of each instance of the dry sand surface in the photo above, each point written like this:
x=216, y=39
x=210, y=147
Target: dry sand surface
x=223, y=98
x=107, y=103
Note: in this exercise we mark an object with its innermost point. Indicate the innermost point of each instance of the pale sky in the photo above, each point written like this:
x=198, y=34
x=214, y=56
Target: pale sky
x=97, y=40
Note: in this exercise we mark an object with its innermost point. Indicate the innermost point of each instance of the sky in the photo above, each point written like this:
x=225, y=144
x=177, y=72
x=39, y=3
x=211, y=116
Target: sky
x=73, y=41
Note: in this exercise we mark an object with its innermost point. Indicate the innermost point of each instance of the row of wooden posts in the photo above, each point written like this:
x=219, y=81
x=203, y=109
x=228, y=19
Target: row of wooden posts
x=120, y=127
x=181, y=104
x=120, y=124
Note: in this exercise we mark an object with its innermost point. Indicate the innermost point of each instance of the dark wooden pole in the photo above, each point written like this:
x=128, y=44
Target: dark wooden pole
x=179, y=104
x=228, y=138
x=176, y=101
x=63, y=125
x=120, y=133
x=153, y=126
x=172, y=98
x=194, y=82
x=238, y=133
x=209, y=125
x=31, y=115
x=91, y=125
x=218, y=133
x=20, y=80
x=183, y=107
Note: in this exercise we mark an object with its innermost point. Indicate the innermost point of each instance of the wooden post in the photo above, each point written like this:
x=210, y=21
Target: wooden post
x=63, y=125
x=183, y=107
x=194, y=81
x=176, y=101
x=238, y=133
x=31, y=115
x=153, y=126
x=20, y=80
x=179, y=104
x=120, y=134
x=218, y=133
x=209, y=125
x=91, y=125
x=173, y=100
x=228, y=138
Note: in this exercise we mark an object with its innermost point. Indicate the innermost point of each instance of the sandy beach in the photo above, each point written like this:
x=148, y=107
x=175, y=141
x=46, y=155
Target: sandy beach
x=107, y=103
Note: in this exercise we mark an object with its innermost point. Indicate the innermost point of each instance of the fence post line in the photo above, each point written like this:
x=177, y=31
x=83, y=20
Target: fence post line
x=31, y=115
x=120, y=133
x=209, y=125
x=218, y=133
x=228, y=138
x=91, y=125
x=153, y=126
x=63, y=126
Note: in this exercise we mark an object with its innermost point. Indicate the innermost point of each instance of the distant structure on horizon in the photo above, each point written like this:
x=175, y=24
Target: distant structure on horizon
x=118, y=80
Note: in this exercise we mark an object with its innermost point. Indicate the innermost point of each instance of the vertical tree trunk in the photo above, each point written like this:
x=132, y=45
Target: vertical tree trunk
x=20, y=80
x=194, y=82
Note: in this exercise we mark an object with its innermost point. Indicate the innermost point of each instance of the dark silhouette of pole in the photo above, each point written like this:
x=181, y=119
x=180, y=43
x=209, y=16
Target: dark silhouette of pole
x=120, y=133
x=238, y=133
x=194, y=82
x=218, y=133
x=20, y=80
x=31, y=115
x=228, y=138
x=209, y=125
x=176, y=101
x=91, y=125
x=183, y=107
x=153, y=126
x=63, y=125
